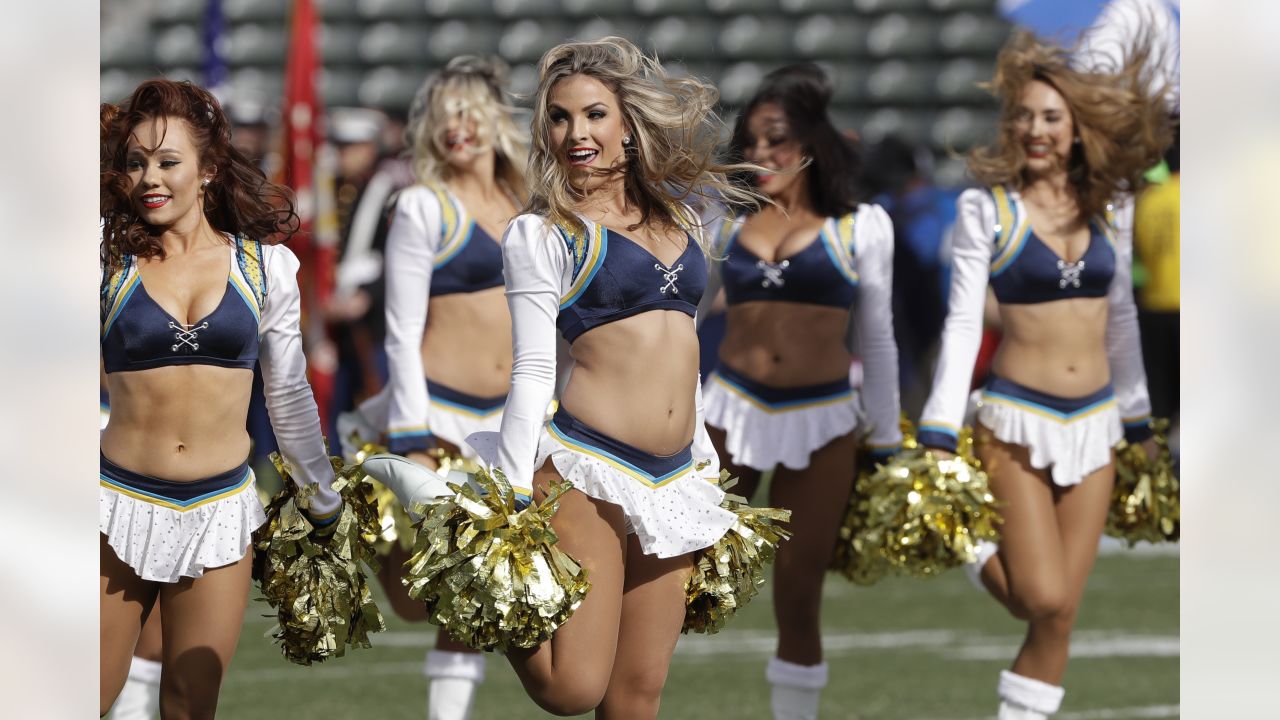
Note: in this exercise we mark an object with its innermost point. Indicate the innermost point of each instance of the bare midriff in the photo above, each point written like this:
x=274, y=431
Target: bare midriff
x=179, y=423
x=634, y=380
x=785, y=344
x=467, y=342
x=1058, y=348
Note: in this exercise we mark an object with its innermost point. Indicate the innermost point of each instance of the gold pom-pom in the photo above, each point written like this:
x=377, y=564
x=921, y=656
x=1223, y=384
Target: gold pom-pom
x=314, y=577
x=916, y=515
x=395, y=527
x=1145, y=504
x=729, y=573
x=490, y=575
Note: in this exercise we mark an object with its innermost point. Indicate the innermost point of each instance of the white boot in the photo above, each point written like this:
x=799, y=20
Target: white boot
x=453, y=679
x=986, y=550
x=1024, y=698
x=796, y=689
x=411, y=482
x=140, y=697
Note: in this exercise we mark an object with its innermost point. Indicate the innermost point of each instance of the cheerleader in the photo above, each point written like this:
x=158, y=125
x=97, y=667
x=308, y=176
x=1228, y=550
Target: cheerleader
x=1050, y=235
x=192, y=297
x=609, y=260
x=802, y=277
x=448, y=329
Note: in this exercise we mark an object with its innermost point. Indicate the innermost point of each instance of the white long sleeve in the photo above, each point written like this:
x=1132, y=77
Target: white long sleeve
x=536, y=266
x=290, y=403
x=973, y=239
x=873, y=310
x=1124, y=344
x=412, y=243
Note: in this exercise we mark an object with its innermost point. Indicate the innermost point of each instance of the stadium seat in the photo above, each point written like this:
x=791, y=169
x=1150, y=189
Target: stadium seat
x=238, y=11
x=527, y=8
x=390, y=87
x=458, y=37
x=819, y=36
x=972, y=33
x=340, y=87
x=962, y=128
x=664, y=8
x=951, y=171
x=255, y=82
x=596, y=28
x=896, y=81
x=375, y=10
x=848, y=83
x=981, y=6
x=910, y=125
x=257, y=44
x=898, y=35
x=449, y=9
x=886, y=6
x=681, y=38
x=394, y=42
x=797, y=7
x=749, y=36
x=526, y=40
x=597, y=8
x=174, y=11
x=124, y=46
x=737, y=7
x=523, y=82
x=958, y=81
x=739, y=82
x=179, y=45
x=331, y=10
x=340, y=44
x=116, y=84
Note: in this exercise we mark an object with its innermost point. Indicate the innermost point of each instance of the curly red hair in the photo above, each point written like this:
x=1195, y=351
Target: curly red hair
x=239, y=201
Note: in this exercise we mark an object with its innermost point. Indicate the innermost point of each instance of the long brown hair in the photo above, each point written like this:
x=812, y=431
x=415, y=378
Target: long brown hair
x=239, y=200
x=1119, y=115
x=673, y=123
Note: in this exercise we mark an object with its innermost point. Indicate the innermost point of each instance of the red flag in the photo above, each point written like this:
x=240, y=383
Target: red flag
x=302, y=141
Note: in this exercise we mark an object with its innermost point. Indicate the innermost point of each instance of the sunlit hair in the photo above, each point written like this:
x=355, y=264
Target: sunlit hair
x=238, y=201
x=675, y=135
x=1119, y=115
x=473, y=89
x=804, y=92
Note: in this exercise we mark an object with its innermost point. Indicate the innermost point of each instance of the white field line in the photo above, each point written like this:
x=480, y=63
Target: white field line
x=1141, y=712
x=755, y=644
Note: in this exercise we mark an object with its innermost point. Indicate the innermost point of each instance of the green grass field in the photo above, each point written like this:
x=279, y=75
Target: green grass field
x=902, y=650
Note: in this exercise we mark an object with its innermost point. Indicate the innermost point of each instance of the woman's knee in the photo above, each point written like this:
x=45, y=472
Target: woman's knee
x=568, y=696
x=1045, y=602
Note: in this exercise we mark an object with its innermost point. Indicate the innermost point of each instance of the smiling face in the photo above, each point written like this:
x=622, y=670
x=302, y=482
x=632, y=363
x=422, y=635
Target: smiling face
x=1044, y=127
x=587, y=129
x=771, y=145
x=162, y=163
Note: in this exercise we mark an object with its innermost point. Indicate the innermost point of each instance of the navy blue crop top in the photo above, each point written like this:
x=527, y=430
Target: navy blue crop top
x=1025, y=271
x=616, y=277
x=823, y=273
x=138, y=334
x=473, y=265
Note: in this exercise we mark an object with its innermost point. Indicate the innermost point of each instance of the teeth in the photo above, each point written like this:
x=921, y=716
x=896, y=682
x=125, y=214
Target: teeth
x=581, y=154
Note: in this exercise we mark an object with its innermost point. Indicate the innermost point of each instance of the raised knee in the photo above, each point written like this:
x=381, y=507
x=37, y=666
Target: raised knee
x=568, y=699
x=1046, y=604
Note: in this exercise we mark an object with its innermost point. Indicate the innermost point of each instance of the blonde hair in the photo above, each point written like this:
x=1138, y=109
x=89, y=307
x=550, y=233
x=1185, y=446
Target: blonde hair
x=674, y=129
x=1119, y=115
x=473, y=88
